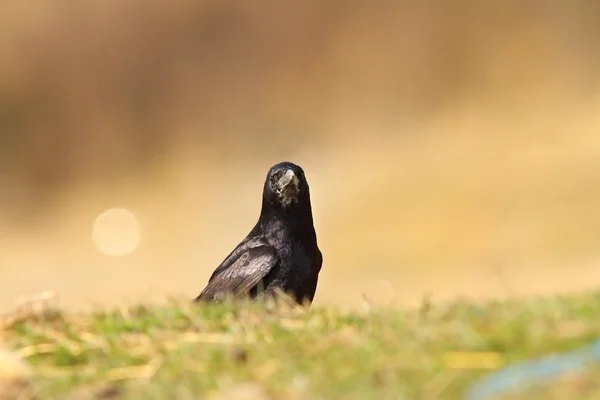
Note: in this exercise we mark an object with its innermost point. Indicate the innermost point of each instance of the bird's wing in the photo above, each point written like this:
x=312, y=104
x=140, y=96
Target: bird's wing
x=242, y=274
x=247, y=244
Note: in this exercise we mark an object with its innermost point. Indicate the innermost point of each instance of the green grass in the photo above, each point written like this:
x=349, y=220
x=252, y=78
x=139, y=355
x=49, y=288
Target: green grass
x=185, y=351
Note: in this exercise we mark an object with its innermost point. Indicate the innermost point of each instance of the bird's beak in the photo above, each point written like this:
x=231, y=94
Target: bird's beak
x=287, y=178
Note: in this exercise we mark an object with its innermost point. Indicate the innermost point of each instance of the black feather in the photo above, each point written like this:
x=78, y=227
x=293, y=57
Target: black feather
x=280, y=253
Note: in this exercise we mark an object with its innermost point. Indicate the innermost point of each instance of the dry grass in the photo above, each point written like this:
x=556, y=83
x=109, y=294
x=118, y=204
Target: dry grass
x=180, y=350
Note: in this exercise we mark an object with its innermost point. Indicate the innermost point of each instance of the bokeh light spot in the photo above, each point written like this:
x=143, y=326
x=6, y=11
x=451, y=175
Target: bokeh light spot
x=116, y=232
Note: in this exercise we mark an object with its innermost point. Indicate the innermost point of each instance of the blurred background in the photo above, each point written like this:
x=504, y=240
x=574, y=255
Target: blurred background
x=452, y=147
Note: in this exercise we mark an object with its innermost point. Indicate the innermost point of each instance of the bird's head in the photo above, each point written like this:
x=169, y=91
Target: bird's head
x=285, y=184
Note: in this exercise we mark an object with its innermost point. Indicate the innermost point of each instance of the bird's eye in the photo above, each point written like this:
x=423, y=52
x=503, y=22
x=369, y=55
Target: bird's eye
x=274, y=178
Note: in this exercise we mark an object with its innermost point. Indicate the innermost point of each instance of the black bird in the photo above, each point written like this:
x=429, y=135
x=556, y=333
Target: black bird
x=280, y=253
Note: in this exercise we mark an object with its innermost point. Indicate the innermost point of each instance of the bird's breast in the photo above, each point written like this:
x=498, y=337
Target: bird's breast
x=295, y=249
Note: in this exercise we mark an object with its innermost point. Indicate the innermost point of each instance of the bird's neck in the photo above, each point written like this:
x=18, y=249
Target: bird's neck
x=296, y=220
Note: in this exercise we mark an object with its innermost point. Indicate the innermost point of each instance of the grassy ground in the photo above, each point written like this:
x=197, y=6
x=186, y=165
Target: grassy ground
x=260, y=351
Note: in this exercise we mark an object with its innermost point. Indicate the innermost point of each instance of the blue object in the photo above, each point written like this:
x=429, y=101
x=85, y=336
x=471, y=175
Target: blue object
x=526, y=373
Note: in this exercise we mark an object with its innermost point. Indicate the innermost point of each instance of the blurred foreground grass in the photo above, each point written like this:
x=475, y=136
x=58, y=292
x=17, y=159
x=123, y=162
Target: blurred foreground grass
x=260, y=351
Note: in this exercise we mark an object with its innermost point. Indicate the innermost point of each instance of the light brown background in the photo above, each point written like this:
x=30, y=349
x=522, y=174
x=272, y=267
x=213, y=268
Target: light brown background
x=451, y=148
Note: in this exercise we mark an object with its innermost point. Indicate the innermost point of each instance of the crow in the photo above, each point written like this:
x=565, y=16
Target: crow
x=280, y=254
